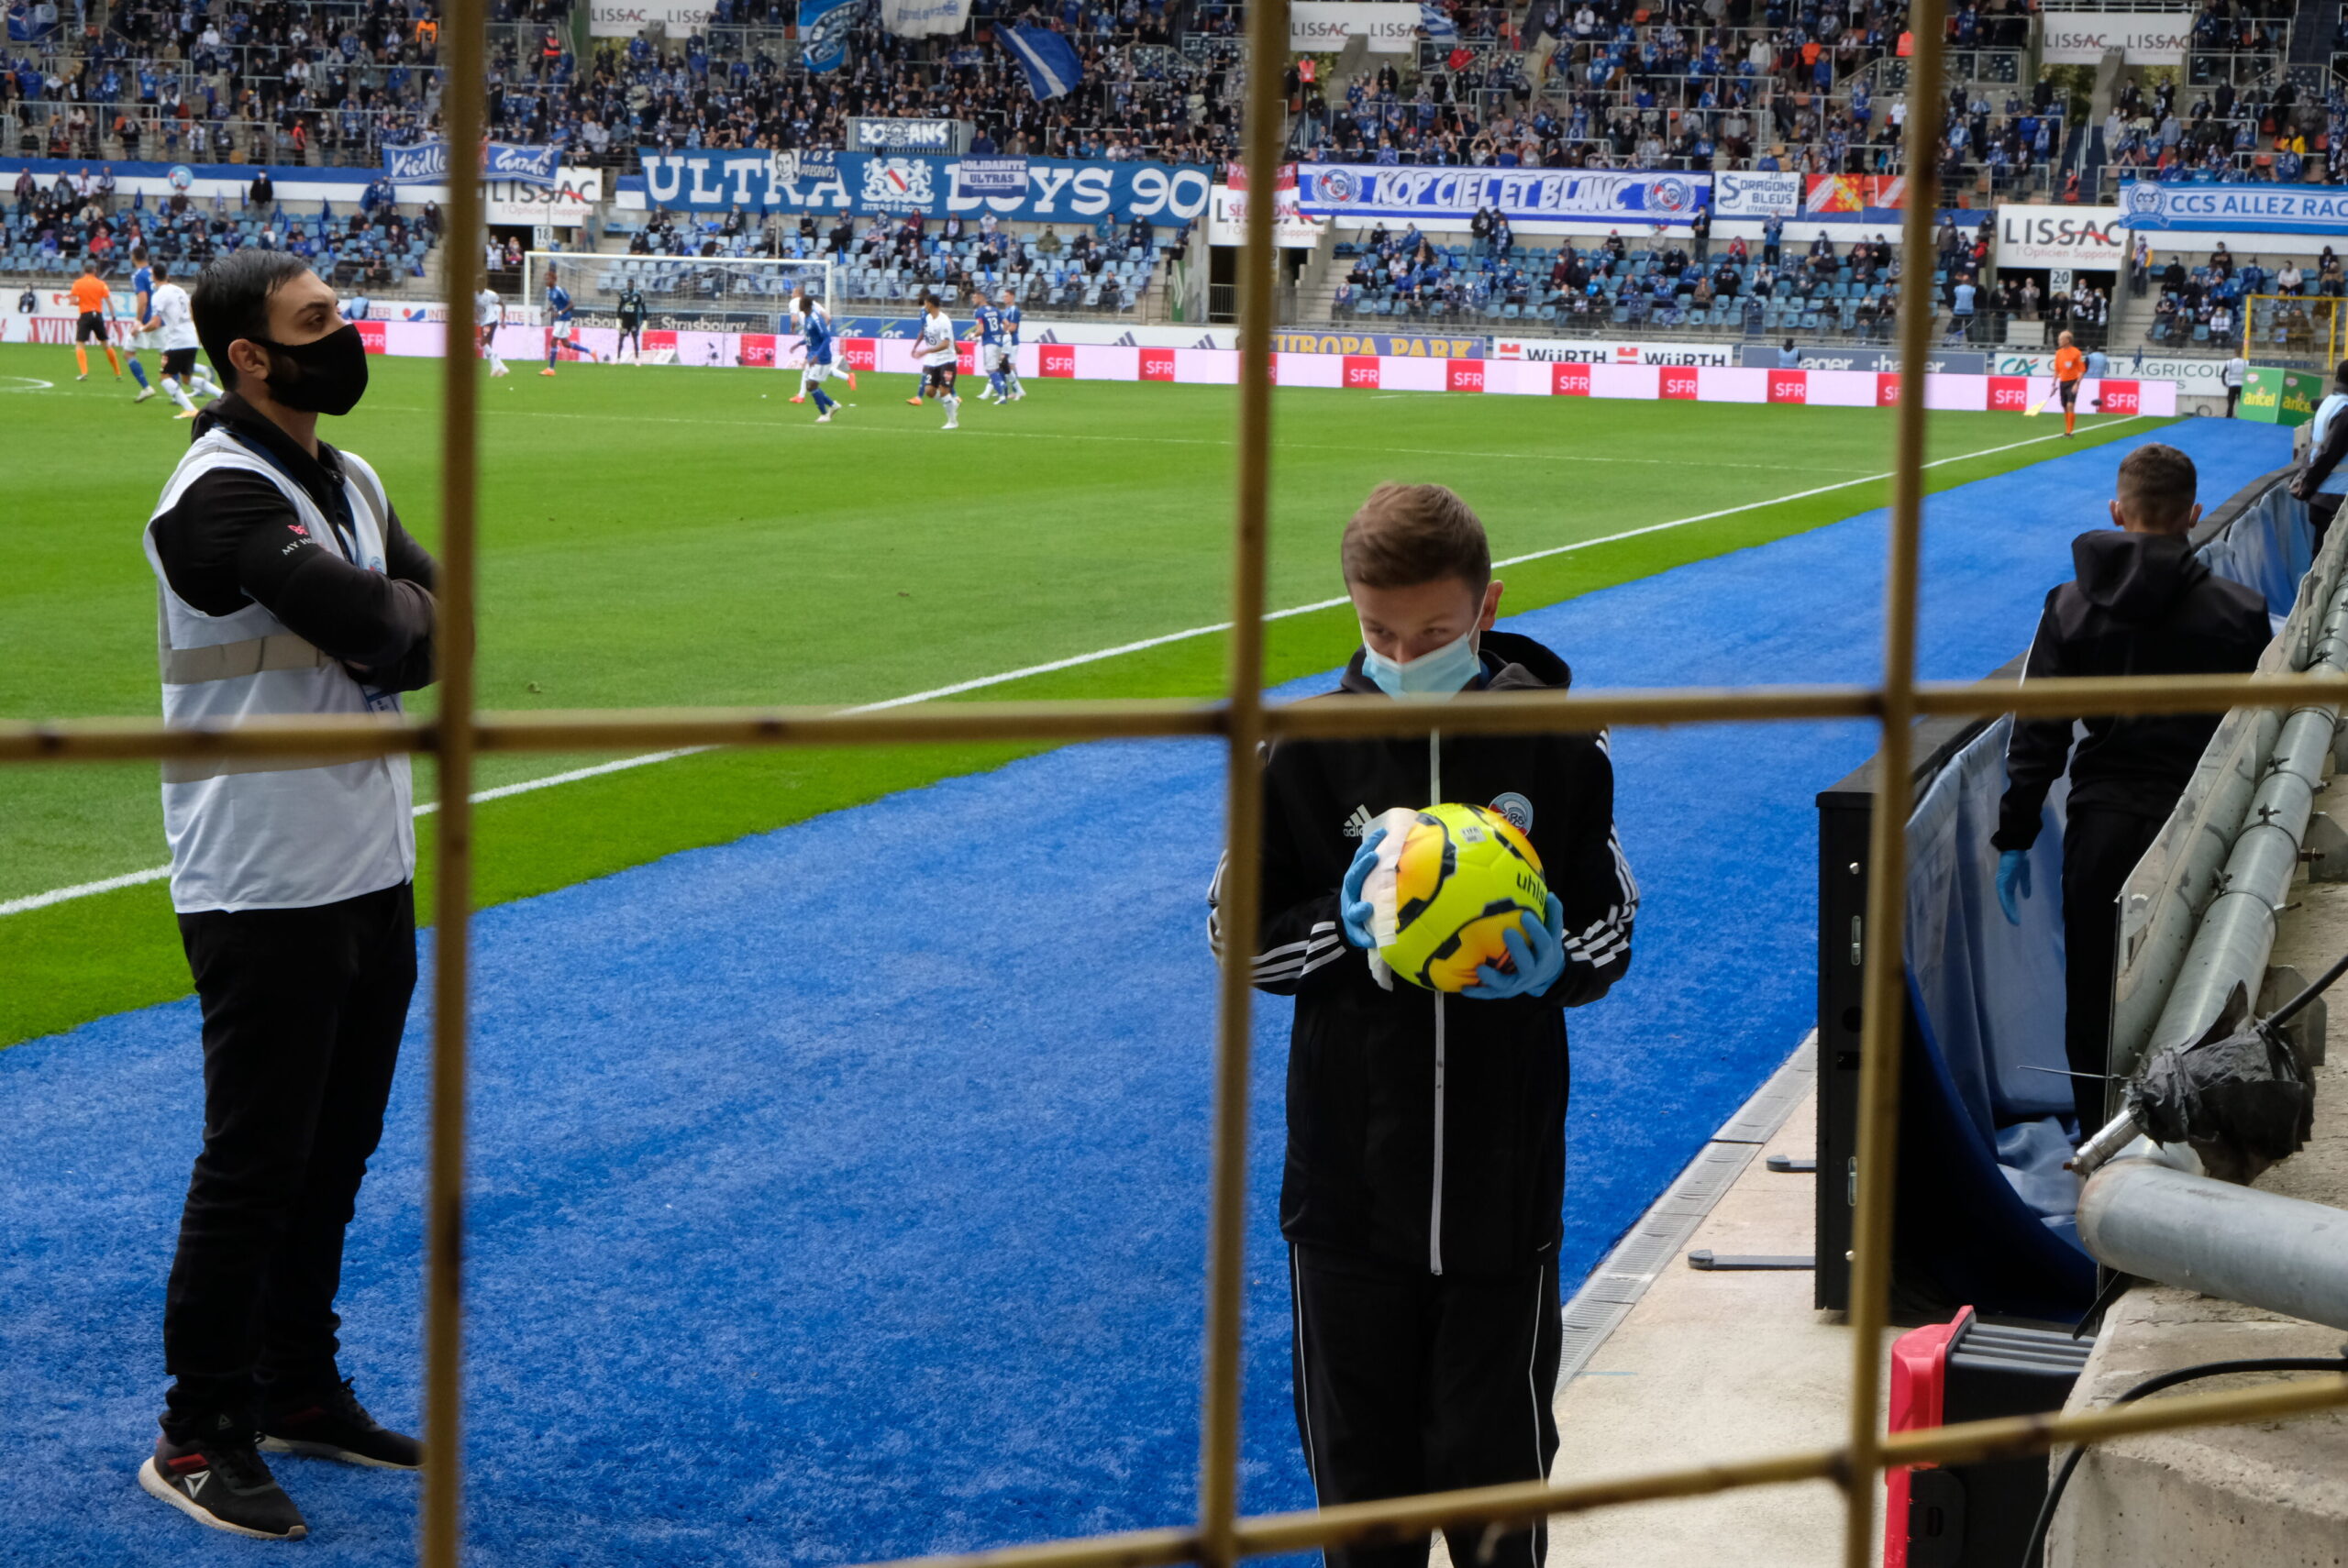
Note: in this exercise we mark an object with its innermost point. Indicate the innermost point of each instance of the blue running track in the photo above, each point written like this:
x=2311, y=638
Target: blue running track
x=838, y=1193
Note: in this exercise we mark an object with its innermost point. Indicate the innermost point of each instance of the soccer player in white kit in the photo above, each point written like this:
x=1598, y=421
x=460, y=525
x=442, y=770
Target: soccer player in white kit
x=939, y=355
x=175, y=322
x=489, y=314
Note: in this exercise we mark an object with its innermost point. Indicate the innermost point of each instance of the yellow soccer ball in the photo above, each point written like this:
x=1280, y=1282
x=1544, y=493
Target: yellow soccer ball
x=1450, y=881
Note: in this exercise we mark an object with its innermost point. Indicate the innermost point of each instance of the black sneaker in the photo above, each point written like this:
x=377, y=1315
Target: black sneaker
x=219, y=1481
x=337, y=1426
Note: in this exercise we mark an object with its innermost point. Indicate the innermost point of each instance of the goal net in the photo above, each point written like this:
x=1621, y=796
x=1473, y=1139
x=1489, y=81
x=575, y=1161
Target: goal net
x=715, y=293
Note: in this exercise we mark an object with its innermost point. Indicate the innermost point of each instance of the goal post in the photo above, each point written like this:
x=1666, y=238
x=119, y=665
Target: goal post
x=720, y=294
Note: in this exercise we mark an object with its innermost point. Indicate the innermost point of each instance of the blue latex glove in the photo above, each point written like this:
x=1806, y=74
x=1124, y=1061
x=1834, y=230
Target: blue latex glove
x=1354, y=910
x=1537, y=952
x=2014, y=883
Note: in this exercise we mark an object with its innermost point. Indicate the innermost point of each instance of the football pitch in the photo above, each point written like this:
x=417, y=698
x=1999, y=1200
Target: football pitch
x=667, y=535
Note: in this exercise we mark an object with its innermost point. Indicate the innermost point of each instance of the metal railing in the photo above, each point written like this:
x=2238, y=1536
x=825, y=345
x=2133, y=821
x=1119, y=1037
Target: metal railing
x=1219, y=1536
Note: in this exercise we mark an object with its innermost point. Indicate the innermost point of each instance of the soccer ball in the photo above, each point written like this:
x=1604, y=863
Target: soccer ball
x=1450, y=881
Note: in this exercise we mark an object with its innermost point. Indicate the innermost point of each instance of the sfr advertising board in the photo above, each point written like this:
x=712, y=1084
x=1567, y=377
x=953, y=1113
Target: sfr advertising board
x=2075, y=238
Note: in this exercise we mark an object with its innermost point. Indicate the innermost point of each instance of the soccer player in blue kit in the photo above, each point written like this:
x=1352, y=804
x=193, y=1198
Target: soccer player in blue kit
x=987, y=326
x=1013, y=391
x=559, y=326
x=815, y=337
x=142, y=290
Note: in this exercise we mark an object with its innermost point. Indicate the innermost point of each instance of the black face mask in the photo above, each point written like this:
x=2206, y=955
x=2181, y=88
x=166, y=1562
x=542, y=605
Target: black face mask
x=328, y=376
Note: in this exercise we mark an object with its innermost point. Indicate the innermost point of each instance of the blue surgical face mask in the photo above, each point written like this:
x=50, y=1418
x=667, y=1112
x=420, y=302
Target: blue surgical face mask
x=1441, y=673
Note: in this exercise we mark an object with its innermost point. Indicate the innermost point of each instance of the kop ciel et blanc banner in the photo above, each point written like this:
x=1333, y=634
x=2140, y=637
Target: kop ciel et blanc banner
x=1353, y=192
x=2076, y=238
x=2146, y=38
x=1756, y=196
x=1322, y=26
x=2267, y=208
x=427, y=164
x=609, y=19
x=1043, y=189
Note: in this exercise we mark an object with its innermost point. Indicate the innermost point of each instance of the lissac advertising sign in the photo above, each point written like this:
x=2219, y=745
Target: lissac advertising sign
x=2088, y=239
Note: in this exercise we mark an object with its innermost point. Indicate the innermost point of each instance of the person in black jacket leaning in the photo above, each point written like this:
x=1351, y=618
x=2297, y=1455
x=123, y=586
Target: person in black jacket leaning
x=1424, y=1193
x=2143, y=603
x=286, y=588
x=2323, y=482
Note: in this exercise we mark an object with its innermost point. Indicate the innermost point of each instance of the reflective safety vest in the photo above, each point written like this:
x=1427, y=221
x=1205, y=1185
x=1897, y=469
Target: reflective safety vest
x=256, y=833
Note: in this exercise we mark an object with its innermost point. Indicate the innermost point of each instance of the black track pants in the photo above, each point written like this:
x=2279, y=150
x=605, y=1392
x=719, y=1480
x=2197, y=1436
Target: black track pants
x=2099, y=848
x=1408, y=1382
x=303, y=1012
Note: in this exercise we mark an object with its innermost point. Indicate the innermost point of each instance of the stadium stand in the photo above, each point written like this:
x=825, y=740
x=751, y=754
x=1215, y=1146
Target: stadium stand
x=1813, y=87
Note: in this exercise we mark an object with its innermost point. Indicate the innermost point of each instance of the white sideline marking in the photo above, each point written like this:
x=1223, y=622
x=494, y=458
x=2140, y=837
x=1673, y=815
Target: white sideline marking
x=156, y=874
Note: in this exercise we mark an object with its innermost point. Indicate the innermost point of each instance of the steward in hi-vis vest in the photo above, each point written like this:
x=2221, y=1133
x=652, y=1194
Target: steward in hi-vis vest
x=287, y=589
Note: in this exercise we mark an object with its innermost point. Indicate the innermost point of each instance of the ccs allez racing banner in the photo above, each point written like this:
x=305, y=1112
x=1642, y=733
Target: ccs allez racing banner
x=1354, y=191
x=2267, y=208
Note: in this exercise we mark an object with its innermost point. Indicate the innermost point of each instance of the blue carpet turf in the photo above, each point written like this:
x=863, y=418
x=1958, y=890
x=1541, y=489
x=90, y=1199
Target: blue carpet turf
x=838, y=1193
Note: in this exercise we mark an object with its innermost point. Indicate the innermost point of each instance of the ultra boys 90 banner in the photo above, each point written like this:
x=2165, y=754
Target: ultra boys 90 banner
x=2264, y=208
x=1387, y=191
x=1039, y=189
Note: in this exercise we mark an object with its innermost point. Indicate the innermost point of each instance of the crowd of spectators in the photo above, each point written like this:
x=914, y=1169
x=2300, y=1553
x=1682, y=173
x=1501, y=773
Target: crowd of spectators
x=2209, y=302
x=49, y=228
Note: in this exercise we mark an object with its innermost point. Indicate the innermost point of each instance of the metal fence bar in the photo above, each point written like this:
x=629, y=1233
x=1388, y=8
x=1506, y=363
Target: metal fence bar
x=1882, y=1014
x=1243, y=817
x=441, y=1526
x=339, y=739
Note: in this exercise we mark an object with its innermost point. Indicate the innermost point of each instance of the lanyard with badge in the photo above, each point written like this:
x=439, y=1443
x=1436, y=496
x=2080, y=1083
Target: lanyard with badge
x=345, y=542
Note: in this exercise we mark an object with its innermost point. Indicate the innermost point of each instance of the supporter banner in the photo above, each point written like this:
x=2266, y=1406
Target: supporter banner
x=528, y=165
x=1353, y=190
x=568, y=202
x=2076, y=238
x=1846, y=194
x=991, y=176
x=1764, y=356
x=924, y=18
x=1553, y=351
x=1756, y=196
x=1396, y=345
x=866, y=134
x=2267, y=209
x=427, y=164
x=2147, y=37
x=1041, y=189
x=823, y=26
x=1322, y=26
x=417, y=164
x=626, y=18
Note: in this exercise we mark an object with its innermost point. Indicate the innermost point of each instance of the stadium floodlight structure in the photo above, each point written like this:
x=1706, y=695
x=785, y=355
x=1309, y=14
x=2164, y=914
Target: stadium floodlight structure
x=720, y=294
x=1218, y=1537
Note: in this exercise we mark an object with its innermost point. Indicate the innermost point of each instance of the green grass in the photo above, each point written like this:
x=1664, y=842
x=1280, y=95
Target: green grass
x=670, y=535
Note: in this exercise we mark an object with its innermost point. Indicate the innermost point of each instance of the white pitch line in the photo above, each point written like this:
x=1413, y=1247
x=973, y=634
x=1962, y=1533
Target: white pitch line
x=156, y=874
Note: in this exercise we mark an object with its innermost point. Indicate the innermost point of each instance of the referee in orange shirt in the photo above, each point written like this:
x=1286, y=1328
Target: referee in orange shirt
x=2070, y=365
x=96, y=302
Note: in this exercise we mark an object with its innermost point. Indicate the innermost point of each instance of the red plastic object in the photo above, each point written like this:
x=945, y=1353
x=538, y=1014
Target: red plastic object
x=1918, y=1381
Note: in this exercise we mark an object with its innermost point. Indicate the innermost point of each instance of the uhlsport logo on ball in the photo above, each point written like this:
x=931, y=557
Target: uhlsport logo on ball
x=1451, y=882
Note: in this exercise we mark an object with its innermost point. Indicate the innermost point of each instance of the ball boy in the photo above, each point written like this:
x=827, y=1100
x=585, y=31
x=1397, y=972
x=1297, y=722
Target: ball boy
x=1427, y=1152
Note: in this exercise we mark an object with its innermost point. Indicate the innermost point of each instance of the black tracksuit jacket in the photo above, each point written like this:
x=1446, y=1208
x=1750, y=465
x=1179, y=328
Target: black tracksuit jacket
x=1427, y=1132
x=2142, y=604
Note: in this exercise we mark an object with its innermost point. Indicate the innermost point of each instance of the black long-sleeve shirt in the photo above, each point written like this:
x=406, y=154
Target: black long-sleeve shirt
x=233, y=538
x=2143, y=604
